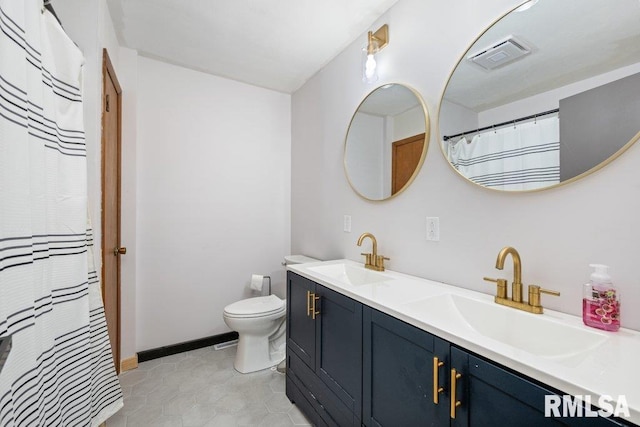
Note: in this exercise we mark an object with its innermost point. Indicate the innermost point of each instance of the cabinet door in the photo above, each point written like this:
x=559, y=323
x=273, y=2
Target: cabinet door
x=489, y=394
x=399, y=374
x=301, y=333
x=339, y=347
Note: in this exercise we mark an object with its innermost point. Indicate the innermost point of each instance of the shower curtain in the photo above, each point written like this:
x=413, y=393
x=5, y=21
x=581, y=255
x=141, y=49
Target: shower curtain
x=60, y=370
x=521, y=157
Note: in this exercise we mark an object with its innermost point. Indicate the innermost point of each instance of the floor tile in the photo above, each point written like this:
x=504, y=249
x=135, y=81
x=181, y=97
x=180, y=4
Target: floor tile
x=168, y=421
x=201, y=388
x=278, y=403
x=298, y=417
x=276, y=420
x=198, y=415
x=179, y=404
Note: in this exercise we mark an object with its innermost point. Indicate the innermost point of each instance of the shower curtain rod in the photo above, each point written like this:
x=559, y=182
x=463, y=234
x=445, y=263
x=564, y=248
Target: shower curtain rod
x=510, y=122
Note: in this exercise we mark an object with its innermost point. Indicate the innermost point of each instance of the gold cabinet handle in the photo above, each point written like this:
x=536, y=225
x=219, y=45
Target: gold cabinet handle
x=454, y=403
x=314, y=313
x=308, y=303
x=119, y=251
x=437, y=364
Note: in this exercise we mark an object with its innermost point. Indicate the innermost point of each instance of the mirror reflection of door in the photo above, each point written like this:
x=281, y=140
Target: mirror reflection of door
x=386, y=142
x=406, y=155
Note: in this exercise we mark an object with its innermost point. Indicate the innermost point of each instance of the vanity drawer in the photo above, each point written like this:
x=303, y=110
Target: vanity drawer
x=326, y=404
x=302, y=402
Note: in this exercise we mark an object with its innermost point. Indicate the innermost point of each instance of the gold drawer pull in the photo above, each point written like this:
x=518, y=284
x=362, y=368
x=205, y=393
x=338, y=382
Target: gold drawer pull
x=454, y=403
x=314, y=313
x=308, y=303
x=437, y=364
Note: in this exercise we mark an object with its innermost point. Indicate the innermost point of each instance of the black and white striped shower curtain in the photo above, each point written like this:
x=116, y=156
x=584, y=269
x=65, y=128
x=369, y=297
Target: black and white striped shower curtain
x=60, y=370
x=512, y=158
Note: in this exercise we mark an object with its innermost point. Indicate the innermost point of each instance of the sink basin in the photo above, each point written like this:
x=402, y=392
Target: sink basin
x=350, y=274
x=533, y=333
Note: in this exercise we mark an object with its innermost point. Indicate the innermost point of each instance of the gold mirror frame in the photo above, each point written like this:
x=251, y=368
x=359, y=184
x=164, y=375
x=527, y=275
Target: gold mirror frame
x=588, y=172
x=427, y=131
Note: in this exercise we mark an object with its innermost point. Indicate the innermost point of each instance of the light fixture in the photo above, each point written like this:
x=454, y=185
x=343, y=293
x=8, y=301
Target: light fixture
x=375, y=43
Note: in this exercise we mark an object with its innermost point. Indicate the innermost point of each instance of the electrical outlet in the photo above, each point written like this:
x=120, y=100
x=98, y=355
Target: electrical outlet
x=433, y=228
x=347, y=224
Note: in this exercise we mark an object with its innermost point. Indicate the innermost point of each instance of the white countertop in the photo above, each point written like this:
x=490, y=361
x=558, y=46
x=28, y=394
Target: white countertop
x=608, y=369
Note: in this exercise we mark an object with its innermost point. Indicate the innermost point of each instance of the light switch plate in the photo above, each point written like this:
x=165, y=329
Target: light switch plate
x=433, y=228
x=347, y=224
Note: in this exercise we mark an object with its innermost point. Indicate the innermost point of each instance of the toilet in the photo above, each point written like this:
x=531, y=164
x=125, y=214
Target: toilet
x=261, y=327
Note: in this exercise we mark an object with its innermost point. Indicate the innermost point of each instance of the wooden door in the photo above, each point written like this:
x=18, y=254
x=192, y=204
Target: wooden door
x=111, y=250
x=406, y=157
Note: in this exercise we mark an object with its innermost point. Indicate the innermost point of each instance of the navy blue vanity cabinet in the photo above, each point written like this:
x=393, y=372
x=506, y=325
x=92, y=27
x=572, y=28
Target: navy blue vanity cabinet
x=324, y=353
x=352, y=365
x=403, y=367
x=490, y=394
x=301, y=327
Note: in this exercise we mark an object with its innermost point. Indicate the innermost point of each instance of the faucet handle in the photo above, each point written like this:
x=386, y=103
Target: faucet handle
x=367, y=258
x=534, y=294
x=379, y=261
x=502, y=286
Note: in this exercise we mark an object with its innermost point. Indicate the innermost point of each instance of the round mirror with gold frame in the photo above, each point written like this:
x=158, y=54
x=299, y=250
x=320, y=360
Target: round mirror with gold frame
x=546, y=95
x=386, y=142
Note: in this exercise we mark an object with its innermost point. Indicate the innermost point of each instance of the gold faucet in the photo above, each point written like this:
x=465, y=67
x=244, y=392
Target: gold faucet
x=533, y=306
x=373, y=261
x=516, y=286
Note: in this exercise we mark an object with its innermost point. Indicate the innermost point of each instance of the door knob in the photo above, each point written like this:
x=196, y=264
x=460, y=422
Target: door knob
x=119, y=251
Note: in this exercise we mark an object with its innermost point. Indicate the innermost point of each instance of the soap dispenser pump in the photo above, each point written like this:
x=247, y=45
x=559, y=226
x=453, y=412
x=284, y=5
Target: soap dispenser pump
x=600, y=303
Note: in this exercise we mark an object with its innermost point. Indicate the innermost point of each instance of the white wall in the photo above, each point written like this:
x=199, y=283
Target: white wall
x=551, y=99
x=455, y=119
x=213, y=198
x=558, y=232
x=364, y=157
x=407, y=124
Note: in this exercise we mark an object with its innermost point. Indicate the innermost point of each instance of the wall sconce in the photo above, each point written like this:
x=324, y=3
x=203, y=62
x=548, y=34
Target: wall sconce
x=376, y=42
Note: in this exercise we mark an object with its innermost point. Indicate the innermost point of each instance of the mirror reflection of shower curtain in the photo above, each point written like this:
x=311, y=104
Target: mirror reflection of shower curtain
x=521, y=157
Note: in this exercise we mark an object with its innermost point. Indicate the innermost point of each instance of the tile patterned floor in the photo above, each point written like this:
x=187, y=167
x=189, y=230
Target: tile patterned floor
x=201, y=388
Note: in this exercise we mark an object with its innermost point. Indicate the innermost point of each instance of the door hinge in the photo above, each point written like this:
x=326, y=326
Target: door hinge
x=106, y=107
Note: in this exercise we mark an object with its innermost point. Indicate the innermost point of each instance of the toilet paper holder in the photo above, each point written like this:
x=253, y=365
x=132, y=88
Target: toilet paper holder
x=269, y=279
x=257, y=282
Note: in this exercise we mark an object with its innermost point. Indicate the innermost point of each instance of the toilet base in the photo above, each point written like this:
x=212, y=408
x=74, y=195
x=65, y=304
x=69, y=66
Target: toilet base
x=257, y=352
x=253, y=354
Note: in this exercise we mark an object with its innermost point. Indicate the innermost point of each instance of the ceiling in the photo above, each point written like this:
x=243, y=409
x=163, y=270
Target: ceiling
x=276, y=44
x=570, y=40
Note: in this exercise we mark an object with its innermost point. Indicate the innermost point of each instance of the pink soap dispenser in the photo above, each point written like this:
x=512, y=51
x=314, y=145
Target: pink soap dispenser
x=600, y=303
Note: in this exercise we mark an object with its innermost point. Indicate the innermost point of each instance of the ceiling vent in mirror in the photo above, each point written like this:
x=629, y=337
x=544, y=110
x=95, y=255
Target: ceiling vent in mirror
x=501, y=53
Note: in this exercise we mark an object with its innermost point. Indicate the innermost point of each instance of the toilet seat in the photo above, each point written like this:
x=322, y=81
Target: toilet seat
x=255, y=307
